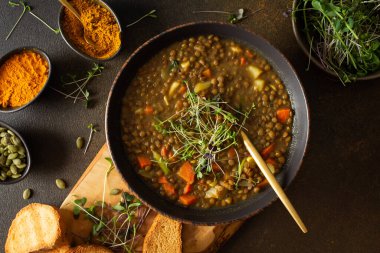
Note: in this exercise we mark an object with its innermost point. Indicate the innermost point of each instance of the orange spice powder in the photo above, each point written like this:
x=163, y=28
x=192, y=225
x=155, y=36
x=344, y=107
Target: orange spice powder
x=22, y=76
x=99, y=25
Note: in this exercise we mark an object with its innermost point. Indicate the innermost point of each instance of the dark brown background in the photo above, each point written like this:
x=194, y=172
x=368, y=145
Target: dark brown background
x=337, y=191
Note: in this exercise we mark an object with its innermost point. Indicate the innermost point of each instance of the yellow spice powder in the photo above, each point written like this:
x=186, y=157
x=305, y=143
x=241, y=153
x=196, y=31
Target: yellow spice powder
x=99, y=25
x=22, y=76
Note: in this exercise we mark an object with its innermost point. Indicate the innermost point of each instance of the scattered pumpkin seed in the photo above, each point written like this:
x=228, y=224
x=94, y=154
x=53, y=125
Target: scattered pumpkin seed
x=115, y=191
x=60, y=183
x=26, y=194
x=80, y=142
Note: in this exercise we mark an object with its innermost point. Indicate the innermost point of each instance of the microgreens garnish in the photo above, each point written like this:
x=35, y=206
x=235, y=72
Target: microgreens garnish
x=80, y=91
x=93, y=130
x=205, y=128
x=150, y=14
x=27, y=8
x=114, y=226
x=233, y=17
x=174, y=65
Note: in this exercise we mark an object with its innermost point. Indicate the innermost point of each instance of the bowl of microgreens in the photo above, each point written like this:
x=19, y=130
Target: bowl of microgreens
x=340, y=37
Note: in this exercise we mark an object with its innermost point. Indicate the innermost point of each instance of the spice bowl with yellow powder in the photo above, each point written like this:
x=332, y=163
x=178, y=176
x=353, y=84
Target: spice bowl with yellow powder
x=96, y=35
x=24, y=74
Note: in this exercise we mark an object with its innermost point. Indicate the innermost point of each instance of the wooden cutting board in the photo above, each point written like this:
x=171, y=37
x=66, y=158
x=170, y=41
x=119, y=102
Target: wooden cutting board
x=196, y=239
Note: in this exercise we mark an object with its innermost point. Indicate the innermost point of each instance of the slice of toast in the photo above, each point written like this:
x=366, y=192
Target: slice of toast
x=36, y=227
x=164, y=236
x=90, y=249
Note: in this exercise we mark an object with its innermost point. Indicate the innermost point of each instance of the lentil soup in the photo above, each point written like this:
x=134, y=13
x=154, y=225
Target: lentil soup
x=183, y=111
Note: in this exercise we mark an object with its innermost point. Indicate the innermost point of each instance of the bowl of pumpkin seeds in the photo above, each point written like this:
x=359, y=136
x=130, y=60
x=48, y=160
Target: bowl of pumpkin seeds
x=14, y=155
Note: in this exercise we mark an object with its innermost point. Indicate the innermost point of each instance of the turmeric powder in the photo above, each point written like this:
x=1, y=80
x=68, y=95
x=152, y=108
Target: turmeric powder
x=99, y=25
x=22, y=77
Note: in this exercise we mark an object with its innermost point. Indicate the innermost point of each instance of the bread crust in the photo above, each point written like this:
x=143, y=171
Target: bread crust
x=163, y=231
x=36, y=227
x=90, y=249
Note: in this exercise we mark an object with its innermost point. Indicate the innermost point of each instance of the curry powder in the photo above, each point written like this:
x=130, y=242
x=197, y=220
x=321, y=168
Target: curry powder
x=98, y=24
x=22, y=77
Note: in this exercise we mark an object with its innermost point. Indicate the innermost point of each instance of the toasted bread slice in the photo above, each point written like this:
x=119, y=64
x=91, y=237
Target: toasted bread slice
x=62, y=249
x=164, y=236
x=36, y=227
x=90, y=249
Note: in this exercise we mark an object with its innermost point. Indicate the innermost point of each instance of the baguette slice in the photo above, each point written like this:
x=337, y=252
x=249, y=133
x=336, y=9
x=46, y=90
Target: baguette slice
x=90, y=249
x=164, y=236
x=36, y=227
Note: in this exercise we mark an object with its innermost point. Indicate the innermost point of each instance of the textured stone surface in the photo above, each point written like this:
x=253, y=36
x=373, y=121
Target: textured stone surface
x=336, y=192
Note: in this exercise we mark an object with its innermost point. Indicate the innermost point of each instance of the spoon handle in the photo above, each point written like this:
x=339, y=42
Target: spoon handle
x=273, y=182
x=71, y=8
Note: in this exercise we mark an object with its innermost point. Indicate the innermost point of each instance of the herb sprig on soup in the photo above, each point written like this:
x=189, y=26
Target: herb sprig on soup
x=182, y=114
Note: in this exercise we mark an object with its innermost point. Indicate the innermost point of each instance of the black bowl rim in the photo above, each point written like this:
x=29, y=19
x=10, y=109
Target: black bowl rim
x=18, y=50
x=79, y=52
x=26, y=171
x=302, y=93
x=302, y=44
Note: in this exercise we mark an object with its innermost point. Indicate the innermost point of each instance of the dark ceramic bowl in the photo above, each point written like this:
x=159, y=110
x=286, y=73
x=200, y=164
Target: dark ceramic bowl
x=19, y=50
x=298, y=27
x=28, y=160
x=78, y=51
x=211, y=216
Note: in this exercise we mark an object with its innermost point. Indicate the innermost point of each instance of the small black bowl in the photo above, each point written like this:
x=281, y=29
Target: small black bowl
x=298, y=27
x=28, y=159
x=19, y=50
x=212, y=216
x=78, y=51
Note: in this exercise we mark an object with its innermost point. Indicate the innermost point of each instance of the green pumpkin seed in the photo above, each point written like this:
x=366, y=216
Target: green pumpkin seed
x=21, y=156
x=1, y=150
x=26, y=194
x=115, y=191
x=16, y=176
x=2, y=178
x=12, y=148
x=21, y=150
x=2, y=129
x=80, y=142
x=15, y=140
x=8, y=162
x=3, y=160
x=12, y=156
x=14, y=169
x=60, y=183
x=21, y=166
x=3, y=134
x=6, y=153
x=4, y=174
x=17, y=161
x=9, y=173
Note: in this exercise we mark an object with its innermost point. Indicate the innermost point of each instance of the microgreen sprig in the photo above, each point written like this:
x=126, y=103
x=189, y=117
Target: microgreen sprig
x=233, y=17
x=150, y=14
x=80, y=91
x=27, y=8
x=93, y=130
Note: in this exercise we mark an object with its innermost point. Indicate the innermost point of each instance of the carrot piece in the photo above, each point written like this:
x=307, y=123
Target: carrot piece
x=187, y=189
x=187, y=199
x=183, y=89
x=148, y=110
x=169, y=189
x=248, y=54
x=164, y=152
x=263, y=183
x=231, y=153
x=206, y=73
x=163, y=180
x=283, y=115
x=187, y=173
x=271, y=161
x=215, y=167
x=266, y=151
x=242, y=61
x=144, y=161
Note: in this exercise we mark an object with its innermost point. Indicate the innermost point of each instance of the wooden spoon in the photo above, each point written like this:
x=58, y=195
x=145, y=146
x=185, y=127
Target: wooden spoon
x=77, y=15
x=272, y=181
